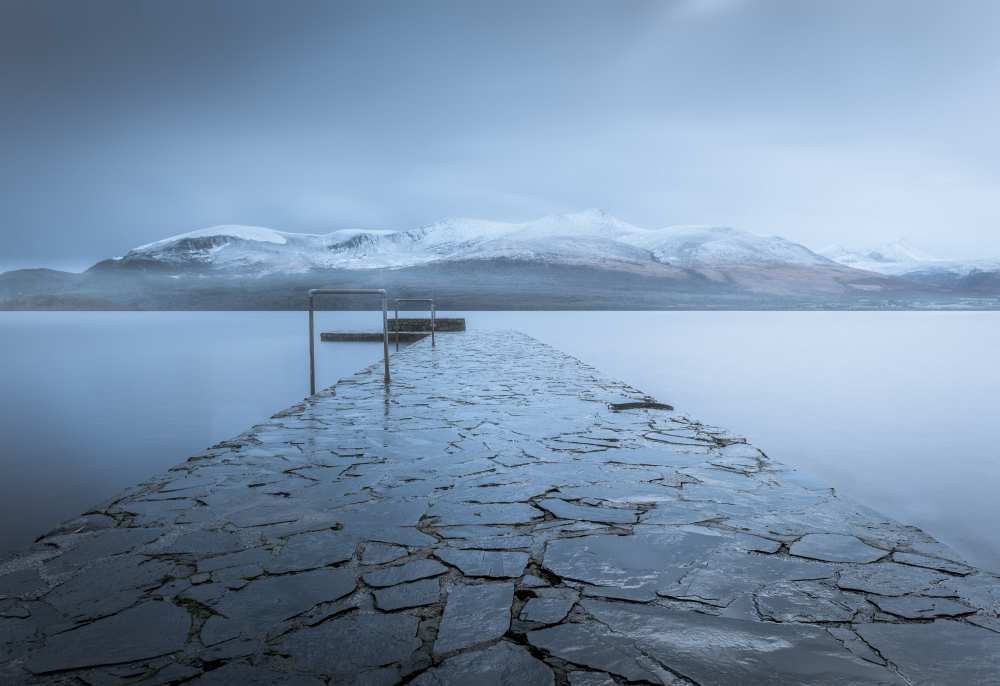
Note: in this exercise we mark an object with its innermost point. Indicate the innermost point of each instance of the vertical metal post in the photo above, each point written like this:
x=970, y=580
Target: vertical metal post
x=312, y=330
x=397, y=326
x=312, y=349
x=385, y=336
x=433, y=324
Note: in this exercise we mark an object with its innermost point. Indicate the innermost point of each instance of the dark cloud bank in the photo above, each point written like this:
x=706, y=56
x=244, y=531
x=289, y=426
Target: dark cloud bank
x=852, y=122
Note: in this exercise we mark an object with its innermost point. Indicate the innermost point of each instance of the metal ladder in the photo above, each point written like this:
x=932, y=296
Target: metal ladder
x=312, y=329
x=385, y=324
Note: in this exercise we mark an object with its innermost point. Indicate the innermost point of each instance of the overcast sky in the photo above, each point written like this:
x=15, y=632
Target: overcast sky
x=854, y=122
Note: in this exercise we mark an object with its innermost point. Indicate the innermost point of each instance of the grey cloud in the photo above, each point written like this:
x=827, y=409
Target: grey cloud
x=850, y=121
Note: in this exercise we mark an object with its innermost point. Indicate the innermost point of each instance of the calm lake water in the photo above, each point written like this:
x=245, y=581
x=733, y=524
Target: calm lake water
x=897, y=409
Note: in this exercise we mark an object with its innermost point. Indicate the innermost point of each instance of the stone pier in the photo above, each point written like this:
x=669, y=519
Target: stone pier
x=500, y=514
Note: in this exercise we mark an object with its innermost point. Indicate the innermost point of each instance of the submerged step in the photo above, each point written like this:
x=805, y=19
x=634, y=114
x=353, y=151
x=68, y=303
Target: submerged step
x=411, y=329
x=370, y=336
x=424, y=324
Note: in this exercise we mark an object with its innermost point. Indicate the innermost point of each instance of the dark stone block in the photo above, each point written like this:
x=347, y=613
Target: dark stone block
x=124, y=637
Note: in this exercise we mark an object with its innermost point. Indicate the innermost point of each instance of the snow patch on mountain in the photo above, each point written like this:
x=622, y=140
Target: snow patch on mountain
x=246, y=233
x=899, y=259
x=694, y=246
x=591, y=237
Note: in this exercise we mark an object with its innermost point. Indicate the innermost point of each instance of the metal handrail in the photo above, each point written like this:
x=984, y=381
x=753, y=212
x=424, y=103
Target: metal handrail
x=433, y=317
x=312, y=330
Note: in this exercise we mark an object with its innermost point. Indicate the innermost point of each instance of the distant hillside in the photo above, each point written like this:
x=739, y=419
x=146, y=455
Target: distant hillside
x=968, y=277
x=583, y=260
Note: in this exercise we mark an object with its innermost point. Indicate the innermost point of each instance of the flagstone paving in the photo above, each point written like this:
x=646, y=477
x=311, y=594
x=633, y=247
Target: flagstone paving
x=500, y=514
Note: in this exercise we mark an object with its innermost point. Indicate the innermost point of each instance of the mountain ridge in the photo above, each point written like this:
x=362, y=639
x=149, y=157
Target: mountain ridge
x=588, y=237
x=576, y=260
x=898, y=260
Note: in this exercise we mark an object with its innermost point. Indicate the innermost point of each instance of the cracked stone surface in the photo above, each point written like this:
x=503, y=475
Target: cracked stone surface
x=356, y=649
x=271, y=600
x=379, y=553
x=549, y=606
x=597, y=646
x=474, y=614
x=410, y=571
x=590, y=679
x=489, y=518
x=835, y=548
x=918, y=607
x=565, y=510
x=890, y=579
x=939, y=652
x=501, y=664
x=148, y=630
x=933, y=563
x=423, y=592
x=807, y=601
x=245, y=674
x=492, y=563
x=310, y=551
x=707, y=649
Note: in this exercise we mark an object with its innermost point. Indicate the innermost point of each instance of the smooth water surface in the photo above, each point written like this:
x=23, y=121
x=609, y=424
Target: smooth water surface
x=94, y=402
x=896, y=409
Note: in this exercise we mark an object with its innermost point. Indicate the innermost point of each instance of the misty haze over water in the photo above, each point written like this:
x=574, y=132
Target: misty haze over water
x=893, y=409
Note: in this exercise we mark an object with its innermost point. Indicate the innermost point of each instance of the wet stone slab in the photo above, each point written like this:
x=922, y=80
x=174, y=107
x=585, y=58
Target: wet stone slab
x=577, y=678
x=500, y=514
x=727, y=651
x=474, y=614
x=938, y=652
x=357, y=648
x=145, y=631
x=491, y=563
x=502, y=664
x=416, y=594
x=835, y=548
x=267, y=601
x=410, y=571
x=920, y=607
x=379, y=553
x=565, y=510
x=549, y=605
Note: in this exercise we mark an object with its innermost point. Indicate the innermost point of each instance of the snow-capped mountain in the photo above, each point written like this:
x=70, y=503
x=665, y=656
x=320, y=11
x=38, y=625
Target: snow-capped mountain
x=584, y=260
x=589, y=238
x=899, y=259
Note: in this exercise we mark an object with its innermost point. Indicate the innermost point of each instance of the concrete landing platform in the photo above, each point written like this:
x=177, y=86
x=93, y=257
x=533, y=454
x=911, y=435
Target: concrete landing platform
x=369, y=336
x=424, y=324
x=489, y=519
x=411, y=330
